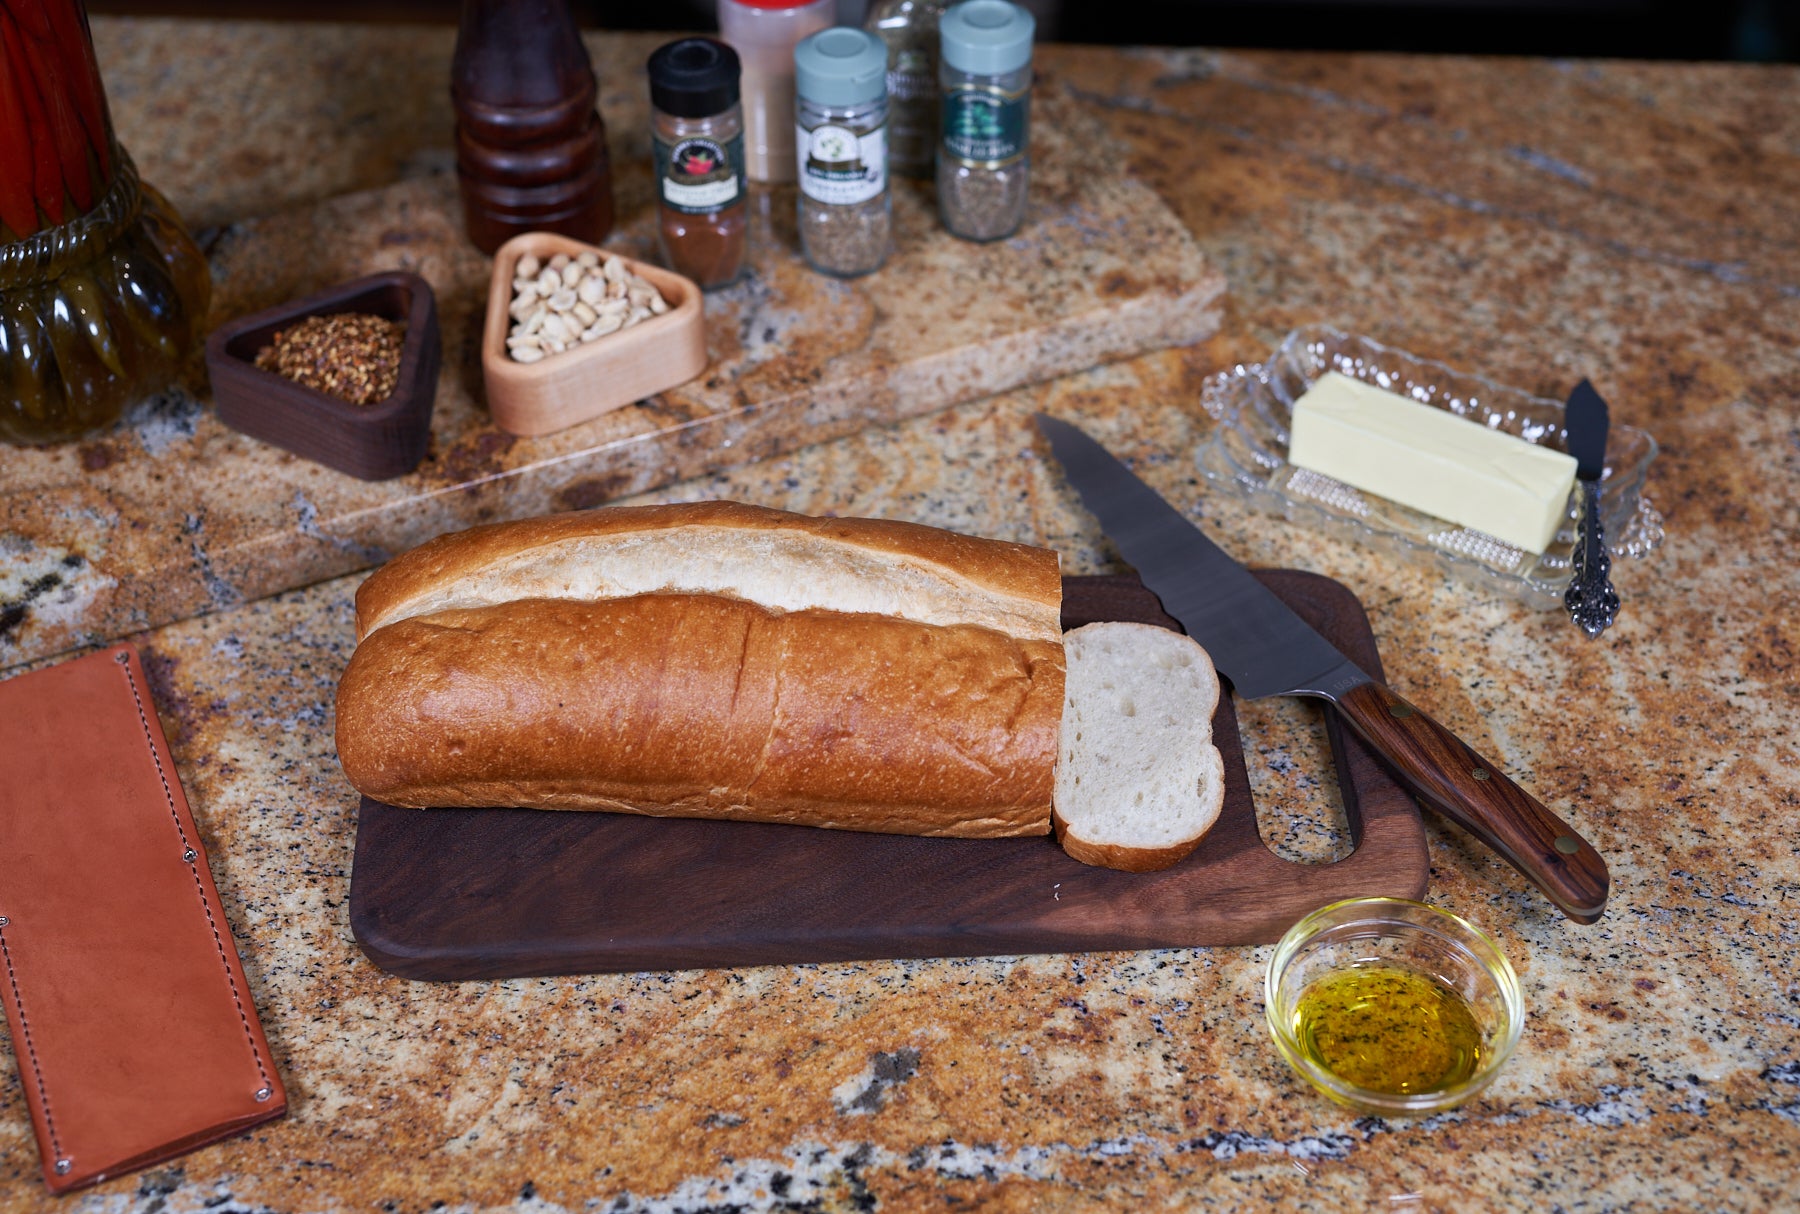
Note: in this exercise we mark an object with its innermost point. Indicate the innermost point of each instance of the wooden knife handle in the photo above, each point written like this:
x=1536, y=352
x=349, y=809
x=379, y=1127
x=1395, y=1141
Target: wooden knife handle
x=1464, y=787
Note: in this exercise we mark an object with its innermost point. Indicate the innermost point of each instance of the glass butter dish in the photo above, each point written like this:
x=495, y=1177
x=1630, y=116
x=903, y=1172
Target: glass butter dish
x=1248, y=454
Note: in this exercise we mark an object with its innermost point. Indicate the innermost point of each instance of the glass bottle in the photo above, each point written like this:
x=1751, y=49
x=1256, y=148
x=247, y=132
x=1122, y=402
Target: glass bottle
x=984, y=157
x=697, y=132
x=102, y=293
x=846, y=217
x=910, y=29
x=530, y=145
x=764, y=33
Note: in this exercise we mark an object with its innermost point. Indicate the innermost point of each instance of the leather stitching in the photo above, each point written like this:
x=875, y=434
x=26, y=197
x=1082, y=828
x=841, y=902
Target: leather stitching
x=199, y=889
x=37, y=1072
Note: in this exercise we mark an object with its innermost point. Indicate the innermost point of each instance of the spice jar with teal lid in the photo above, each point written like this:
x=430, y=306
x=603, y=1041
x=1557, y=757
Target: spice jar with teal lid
x=841, y=108
x=984, y=155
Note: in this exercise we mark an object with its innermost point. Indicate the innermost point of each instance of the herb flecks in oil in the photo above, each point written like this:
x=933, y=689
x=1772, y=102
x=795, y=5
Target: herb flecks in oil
x=1389, y=1030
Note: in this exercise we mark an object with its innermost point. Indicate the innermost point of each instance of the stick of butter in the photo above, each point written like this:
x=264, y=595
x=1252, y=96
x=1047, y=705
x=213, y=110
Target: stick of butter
x=1432, y=460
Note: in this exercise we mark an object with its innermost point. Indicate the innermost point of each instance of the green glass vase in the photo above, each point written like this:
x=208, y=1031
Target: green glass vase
x=102, y=292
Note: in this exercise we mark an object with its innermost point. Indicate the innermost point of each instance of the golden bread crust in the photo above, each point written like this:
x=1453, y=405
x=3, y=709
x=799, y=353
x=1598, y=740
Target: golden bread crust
x=708, y=706
x=781, y=559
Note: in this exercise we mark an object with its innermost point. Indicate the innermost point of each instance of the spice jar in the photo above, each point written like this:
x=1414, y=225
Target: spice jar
x=764, y=34
x=697, y=132
x=984, y=160
x=841, y=154
x=910, y=29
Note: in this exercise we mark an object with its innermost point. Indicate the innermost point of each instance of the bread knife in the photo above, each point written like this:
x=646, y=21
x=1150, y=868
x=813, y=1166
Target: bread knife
x=1591, y=600
x=1258, y=643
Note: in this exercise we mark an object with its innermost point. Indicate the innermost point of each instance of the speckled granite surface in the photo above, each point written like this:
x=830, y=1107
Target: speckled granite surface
x=172, y=513
x=1530, y=220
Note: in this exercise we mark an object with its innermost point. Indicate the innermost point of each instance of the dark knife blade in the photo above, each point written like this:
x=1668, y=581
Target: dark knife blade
x=1265, y=649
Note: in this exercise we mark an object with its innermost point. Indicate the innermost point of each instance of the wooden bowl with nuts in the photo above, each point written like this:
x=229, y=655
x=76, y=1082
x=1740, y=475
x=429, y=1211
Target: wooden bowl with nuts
x=574, y=331
x=346, y=377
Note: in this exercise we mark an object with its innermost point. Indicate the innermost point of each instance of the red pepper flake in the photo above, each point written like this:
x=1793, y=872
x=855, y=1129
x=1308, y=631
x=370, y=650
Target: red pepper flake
x=350, y=355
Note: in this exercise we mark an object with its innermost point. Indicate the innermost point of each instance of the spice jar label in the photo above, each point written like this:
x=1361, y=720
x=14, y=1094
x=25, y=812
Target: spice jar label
x=840, y=167
x=985, y=128
x=913, y=76
x=700, y=176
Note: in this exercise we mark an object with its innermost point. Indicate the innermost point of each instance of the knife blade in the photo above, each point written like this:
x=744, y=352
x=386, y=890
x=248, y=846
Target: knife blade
x=1591, y=599
x=1265, y=649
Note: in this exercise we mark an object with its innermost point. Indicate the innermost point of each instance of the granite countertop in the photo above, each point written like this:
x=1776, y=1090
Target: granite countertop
x=1536, y=221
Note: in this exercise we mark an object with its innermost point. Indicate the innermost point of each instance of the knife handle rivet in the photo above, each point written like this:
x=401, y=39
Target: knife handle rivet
x=1568, y=845
x=1480, y=773
x=1400, y=710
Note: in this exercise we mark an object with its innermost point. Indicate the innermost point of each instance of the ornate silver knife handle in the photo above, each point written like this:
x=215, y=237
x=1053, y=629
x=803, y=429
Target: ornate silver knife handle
x=1590, y=598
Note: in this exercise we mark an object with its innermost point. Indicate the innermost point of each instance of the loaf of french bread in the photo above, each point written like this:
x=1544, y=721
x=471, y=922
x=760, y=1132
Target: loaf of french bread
x=713, y=660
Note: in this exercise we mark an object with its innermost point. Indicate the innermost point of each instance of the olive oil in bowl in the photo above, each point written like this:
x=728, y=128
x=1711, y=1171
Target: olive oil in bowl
x=1391, y=1006
x=1388, y=1029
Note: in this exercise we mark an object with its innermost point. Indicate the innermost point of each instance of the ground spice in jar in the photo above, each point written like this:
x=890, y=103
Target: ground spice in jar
x=846, y=214
x=350, y=355
x=910, y=29
x=698, y=136
x=984, y=160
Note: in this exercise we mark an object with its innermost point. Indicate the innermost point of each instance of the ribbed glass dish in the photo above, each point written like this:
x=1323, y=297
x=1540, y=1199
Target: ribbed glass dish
x=1248, y=454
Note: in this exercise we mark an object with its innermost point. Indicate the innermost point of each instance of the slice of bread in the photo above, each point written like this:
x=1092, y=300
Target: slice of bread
x=1138, y=779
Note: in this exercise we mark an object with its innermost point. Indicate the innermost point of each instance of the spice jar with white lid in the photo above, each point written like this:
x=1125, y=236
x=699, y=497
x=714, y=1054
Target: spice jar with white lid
x=764, y=34
x=697, y=131
x=984, y=157
x=846, y=217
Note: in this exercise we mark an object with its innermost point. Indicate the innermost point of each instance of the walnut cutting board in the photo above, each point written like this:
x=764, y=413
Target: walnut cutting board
x=497, y=893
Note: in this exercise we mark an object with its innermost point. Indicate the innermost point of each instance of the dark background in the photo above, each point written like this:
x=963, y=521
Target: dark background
x=1753, y=30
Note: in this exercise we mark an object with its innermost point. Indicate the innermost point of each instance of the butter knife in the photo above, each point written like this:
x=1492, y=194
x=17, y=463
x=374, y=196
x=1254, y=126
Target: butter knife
x=1592, y=602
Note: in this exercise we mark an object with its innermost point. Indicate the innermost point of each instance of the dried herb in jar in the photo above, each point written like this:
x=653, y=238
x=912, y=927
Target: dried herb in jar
x=910, y=29
x=846, y=215
x=350, y=355
x=984, y=157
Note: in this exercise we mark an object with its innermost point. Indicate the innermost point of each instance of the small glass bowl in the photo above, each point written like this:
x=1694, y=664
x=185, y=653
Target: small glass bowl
x=1406, y=935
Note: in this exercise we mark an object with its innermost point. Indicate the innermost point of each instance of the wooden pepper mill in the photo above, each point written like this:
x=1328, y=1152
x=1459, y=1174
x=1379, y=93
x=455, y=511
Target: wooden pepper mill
x=530, y=145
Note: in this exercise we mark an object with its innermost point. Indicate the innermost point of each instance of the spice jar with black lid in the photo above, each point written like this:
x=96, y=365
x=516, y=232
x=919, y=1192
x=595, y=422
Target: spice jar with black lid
x=697, y=129
x=984, y=157
x=841, y=149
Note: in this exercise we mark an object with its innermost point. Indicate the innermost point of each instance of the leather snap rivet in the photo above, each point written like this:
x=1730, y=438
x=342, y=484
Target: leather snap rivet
x=189, y=855
x=63, y=1166
x=264, y=1093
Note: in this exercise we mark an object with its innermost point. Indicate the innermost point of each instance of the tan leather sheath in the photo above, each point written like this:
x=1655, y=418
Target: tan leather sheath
x=132, y=1024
